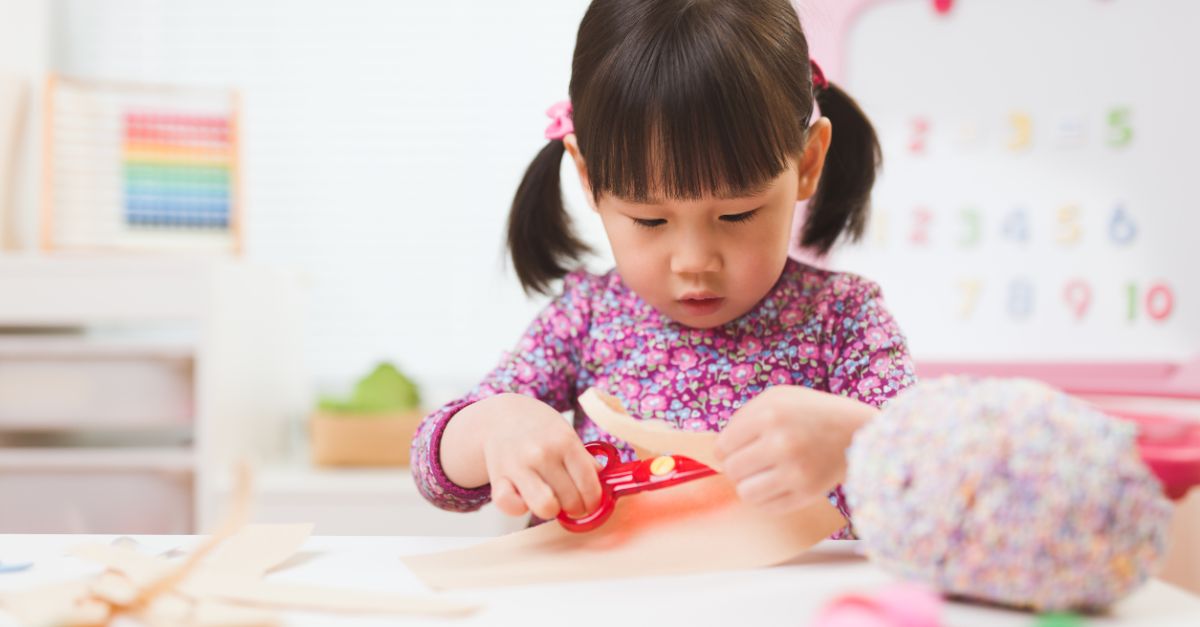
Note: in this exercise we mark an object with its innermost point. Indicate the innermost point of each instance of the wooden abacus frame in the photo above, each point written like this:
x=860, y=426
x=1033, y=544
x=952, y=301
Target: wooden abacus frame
x=48, y=214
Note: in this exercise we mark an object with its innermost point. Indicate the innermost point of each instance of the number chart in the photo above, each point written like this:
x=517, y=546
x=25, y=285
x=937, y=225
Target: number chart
x=1036, y=198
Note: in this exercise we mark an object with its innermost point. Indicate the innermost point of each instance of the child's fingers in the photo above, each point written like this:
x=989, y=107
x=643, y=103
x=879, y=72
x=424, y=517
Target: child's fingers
x=739, y=433
x=505, y=496
x=583, y=470
x=786, y=503
x=747, y=461
x=780, y=505
x=762, y=487
x=565, y=492
x=538, y=496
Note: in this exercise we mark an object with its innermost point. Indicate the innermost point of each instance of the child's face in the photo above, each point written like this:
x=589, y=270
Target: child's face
x=706, y=262
x=703, y=262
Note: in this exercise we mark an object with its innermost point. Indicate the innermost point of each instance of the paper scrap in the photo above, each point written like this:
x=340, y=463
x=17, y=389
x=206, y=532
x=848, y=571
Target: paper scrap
x=224, y=590
x=257, y=549
x=653, y=436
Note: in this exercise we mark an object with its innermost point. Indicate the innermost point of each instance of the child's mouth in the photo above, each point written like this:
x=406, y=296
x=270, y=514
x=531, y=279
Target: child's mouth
x=701, y=306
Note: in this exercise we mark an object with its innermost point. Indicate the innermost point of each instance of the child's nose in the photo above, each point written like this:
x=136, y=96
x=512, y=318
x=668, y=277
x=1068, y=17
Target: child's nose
x=695, y=257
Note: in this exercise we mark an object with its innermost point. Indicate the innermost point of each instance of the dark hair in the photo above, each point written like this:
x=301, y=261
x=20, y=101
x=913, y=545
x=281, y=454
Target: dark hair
x=686, y=99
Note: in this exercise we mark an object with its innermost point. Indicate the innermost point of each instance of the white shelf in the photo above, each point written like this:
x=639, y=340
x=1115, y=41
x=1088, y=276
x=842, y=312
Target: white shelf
x=173, y=460
x=109, y=351
x=93, y=346
x=307, y=480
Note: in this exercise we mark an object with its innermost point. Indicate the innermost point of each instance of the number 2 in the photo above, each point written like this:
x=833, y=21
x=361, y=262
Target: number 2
x=922, y=219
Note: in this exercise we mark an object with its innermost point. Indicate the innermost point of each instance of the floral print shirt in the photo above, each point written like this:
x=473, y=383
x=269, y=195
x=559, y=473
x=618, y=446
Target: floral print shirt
x=825, y=330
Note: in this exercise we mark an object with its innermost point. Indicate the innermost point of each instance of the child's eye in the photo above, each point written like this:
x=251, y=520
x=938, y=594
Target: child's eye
x=740, y=217
x=648, y=224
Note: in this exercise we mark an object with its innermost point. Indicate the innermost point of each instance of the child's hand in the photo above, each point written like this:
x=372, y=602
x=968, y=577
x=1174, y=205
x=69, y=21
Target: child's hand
x=536, y=462
x=786, y=447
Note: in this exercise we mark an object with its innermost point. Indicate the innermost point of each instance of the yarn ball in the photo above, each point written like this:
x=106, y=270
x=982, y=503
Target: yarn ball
x=1006, y=491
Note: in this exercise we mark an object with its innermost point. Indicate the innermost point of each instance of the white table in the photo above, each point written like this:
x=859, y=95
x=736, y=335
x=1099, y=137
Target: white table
x=784, y=595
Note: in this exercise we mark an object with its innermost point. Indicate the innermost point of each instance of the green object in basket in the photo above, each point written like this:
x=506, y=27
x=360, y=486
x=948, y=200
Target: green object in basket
x=385, y=390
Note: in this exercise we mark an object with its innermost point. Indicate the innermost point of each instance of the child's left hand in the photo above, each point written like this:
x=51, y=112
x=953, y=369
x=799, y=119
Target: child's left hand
x=786, y=447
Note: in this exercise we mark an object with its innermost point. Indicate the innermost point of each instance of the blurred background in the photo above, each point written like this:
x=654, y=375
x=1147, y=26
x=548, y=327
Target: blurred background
x=274, y=230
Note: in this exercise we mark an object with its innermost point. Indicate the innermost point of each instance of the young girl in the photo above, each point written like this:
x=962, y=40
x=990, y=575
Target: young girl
x=690, y=129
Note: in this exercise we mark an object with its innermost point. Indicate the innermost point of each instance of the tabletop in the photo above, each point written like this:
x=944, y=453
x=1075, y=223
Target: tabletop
x=789, y=594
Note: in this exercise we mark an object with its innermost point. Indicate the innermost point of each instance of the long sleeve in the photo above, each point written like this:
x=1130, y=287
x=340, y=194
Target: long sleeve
x=543, y=365
x=866, y=352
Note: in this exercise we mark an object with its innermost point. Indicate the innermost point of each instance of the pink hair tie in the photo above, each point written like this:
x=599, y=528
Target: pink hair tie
x=820, y=83
x=560, y=120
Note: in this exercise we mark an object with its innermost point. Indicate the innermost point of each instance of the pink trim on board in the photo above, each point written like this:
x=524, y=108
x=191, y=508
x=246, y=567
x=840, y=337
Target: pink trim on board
x=827, y=25
x=1158, y=379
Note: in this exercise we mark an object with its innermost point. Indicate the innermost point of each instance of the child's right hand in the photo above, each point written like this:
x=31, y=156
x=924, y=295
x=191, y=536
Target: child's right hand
x=535, y=461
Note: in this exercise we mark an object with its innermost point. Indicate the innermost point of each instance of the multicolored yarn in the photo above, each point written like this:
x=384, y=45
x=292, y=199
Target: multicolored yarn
x=1007, y=491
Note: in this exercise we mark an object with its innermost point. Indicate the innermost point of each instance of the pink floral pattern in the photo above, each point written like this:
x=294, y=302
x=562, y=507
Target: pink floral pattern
x=825, y=330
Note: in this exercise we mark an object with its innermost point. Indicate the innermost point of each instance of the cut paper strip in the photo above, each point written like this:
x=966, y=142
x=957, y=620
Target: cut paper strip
x=256, y=549
x=223, y=591
x=244, y=585
x=692, y=527
x=653, y=436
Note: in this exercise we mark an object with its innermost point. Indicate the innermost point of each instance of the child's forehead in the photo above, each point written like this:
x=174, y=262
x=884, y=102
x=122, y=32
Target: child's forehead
x=658, y=198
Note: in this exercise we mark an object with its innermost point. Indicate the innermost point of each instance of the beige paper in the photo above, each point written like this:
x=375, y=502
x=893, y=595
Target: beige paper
x=200, y=593
x=691, y=527
x=244, y=585
x=655, y=437
x=256, y=549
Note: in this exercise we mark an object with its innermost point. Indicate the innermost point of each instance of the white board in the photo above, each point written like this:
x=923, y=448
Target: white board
x=1037, y=196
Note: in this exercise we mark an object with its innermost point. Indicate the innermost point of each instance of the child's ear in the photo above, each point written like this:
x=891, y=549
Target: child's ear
x=572, y=146
x=812, y=158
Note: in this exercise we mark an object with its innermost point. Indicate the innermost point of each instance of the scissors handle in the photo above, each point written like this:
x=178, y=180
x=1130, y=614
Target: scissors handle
x=607, y=501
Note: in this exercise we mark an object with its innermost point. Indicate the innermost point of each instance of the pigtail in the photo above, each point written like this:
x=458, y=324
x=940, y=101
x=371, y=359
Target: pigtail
x=540, y=238
x=843, y=197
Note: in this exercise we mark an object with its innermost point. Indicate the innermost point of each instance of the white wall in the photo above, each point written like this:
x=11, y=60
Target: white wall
x=24, y=57
x=384, y=141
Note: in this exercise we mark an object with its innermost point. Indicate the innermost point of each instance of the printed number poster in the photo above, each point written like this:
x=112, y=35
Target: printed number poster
x=1036, y=200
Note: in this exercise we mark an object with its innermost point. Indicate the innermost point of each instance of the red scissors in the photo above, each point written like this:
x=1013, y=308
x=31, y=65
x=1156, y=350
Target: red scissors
x=620, y=479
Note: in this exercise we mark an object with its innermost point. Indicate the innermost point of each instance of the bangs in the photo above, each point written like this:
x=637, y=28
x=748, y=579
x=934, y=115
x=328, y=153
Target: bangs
x=690, y=110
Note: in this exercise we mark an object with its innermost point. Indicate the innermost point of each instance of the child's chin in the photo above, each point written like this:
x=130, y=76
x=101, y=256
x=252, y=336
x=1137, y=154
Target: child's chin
x=707, y=321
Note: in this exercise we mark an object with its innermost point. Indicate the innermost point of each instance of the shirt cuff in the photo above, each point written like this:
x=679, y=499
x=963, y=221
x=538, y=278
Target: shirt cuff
x=437, y=474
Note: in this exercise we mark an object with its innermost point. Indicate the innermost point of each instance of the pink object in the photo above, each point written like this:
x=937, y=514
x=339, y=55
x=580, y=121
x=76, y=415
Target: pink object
x=819, y=80
x=619, y=479
x=1155, y=379
x=898, y=605
x=1170, y=447
x=561, y=124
